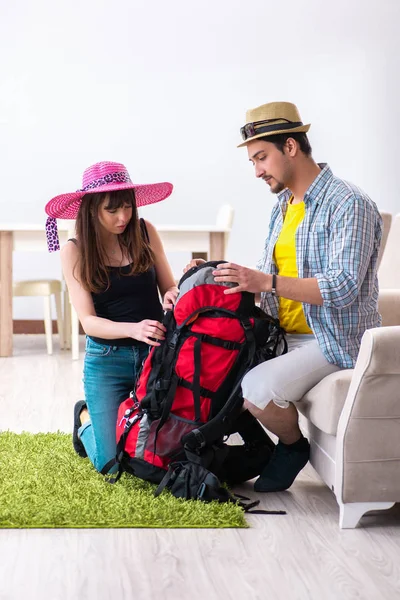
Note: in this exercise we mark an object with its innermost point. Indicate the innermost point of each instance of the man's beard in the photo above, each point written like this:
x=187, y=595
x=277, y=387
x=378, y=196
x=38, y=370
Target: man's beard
x=278, y=188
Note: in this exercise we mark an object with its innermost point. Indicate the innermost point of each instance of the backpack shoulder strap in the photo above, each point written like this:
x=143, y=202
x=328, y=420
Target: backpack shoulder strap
x=144, y=231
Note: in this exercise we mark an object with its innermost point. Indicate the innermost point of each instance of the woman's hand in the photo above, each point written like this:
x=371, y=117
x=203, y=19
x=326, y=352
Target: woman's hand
x=148, y=331
x=249, y=280
x=170, y=297
x=195, y=262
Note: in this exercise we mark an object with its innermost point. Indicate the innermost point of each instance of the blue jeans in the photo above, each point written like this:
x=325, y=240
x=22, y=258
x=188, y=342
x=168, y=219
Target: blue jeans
x=109, y=375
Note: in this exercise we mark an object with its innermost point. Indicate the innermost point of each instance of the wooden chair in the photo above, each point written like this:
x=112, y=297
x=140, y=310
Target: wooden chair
x=45, y=288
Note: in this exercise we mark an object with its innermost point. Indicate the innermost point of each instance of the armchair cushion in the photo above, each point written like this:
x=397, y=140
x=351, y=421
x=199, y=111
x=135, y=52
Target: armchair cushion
x=323, y=404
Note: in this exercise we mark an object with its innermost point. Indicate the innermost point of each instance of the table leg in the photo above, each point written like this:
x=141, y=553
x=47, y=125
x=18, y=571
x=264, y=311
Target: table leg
x=6, y=320
x=217, y=245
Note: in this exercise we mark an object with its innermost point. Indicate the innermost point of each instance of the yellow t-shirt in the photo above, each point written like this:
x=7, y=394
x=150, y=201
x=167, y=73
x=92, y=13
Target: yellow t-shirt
x=291, y=314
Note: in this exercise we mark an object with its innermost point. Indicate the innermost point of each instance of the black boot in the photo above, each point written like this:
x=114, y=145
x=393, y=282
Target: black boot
x=76, y=441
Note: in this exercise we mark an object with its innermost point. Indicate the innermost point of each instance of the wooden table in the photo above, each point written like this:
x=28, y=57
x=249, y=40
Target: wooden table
x=31, y=237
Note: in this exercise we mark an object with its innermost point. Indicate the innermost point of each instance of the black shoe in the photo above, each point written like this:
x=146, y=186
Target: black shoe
x=76, y=441
x=284, y=466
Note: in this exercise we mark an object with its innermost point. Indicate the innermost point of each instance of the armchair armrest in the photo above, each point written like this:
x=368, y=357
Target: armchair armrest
x=368, y=430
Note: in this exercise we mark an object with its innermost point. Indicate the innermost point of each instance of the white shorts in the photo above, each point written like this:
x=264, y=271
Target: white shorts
x=287, y=378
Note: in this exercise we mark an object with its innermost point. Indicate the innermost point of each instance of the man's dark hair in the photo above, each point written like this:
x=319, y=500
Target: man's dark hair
x=279, y=141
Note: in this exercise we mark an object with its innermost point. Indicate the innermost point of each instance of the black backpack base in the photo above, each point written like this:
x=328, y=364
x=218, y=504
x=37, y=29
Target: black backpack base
x=192, y=481
x=231, y=463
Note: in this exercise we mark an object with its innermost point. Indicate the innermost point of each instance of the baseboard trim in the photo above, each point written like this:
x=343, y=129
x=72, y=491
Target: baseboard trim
x=34, y=326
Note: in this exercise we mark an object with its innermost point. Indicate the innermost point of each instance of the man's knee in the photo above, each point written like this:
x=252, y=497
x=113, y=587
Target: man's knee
x=272, y=411
x=255, y=410
x=263, y=384
x=248, y=405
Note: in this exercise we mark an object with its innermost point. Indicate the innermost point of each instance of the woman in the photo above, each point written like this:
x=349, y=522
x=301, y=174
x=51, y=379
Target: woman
x=114, y=270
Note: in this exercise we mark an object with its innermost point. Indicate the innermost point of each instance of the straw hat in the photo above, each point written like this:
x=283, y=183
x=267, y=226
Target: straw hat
x=100, y=177
x=271, y=119
x=105, y=177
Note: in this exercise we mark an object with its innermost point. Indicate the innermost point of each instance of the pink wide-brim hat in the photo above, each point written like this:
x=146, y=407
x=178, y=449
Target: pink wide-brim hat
x=106, y=177
x=100, y=177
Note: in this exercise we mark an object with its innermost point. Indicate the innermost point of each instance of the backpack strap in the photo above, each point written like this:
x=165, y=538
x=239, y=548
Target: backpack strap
x=196, y=380
x=113, y=478
x=144, y=231
x=167, y=404
x=247, y=507
x=209, y=339
x=209, y=432
x=189, y=386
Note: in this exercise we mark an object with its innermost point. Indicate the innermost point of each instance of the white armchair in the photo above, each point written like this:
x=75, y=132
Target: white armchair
x=353, y=422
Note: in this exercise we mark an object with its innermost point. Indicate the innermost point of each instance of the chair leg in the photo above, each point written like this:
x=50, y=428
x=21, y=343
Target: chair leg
x=60, y=323
x=352, y=512
x=75, y=334
x=48, y=325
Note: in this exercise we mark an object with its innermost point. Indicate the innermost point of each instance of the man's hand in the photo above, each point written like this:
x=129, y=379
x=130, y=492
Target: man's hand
x=248, y=280
x=195, y=262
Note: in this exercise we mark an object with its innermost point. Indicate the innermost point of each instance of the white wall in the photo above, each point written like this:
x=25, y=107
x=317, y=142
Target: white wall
x=164, y=86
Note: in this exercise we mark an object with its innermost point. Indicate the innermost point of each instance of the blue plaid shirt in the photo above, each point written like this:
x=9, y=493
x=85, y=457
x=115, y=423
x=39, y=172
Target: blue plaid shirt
x=337, y=243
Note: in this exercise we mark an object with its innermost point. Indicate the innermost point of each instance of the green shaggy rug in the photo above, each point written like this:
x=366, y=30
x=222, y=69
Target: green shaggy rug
x=44, y=484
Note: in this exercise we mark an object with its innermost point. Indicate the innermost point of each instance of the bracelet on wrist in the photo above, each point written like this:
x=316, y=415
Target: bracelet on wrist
x=273, y=286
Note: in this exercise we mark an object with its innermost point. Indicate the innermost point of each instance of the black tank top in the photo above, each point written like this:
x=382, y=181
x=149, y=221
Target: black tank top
x=129, y=299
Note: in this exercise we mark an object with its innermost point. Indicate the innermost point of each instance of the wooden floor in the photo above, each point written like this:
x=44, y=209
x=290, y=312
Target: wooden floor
x=302, y=555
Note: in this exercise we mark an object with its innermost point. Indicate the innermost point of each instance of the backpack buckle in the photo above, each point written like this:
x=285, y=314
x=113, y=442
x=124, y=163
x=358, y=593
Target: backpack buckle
x=174, y=340
x=195, y=440
x=246, y=324
x=162, y=384
x=201, y=490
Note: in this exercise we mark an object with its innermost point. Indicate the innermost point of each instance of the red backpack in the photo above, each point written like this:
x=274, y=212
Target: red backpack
x=188, y=394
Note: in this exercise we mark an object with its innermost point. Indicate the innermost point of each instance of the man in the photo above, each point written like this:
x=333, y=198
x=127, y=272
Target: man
x=317, y=274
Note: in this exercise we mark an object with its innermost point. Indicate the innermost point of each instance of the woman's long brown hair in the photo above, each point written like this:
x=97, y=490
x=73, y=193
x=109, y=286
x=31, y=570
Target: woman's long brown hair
x=93, y=269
